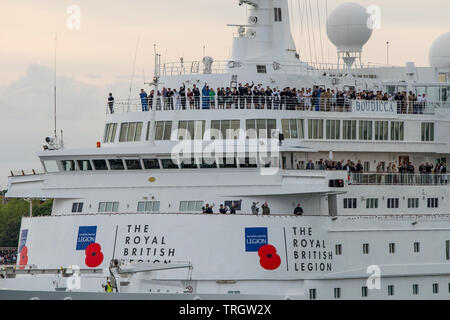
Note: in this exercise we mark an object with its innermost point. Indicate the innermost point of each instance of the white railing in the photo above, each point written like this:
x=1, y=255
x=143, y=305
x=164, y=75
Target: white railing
x=401, y=179
x=31, y=172
x=256, y=103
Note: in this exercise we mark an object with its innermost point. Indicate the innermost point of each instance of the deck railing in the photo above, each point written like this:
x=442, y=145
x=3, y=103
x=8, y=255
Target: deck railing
x=193, y=103
x=401, y=179
x=31, y=172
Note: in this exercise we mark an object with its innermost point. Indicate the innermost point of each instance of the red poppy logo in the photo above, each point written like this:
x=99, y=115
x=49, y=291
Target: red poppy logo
x=94, y=255
x=270, y=260
x=23, y=261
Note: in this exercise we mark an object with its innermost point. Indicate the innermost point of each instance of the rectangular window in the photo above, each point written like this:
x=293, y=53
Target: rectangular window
x=261, y=68
x=391, y=248
x=416, y=247
x=433, y=203
x=350, y=203
x=228, y=163
x=427, y=132
x=292, y=128
x=116, y=164
x=315, y=129
x=415, y=289
x=100, y=164
x=110, y=133
x=148, y=206
x=191, y=130
x=169, y=164
x=188, y=163
x=349, y=129
x=260, y=128
x=381, y=130
x=84, y=165
x=371, y=203
x=312, y=294
x=390, y=290
x=163, y=130
x=277, y=14
x=365, y=130
x=151, y=164
x=77, y=207
x=397, y=131
x=365, y=248
x=393, y=203
x=339, y=249
x=333, y=129
x=364, y=292
x=225, y=129
x=435, y=288
x=447, y=250
x=130, y=131
x=337, y=293
x=413, y=203
x=51, y=166
x=108, y=207
x=191, y=206
x=68, y=165
x=133, y=164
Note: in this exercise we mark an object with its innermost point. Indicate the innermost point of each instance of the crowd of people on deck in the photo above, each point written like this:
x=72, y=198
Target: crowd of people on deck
x=251, y=96
x=265, y=209
x=8, y=257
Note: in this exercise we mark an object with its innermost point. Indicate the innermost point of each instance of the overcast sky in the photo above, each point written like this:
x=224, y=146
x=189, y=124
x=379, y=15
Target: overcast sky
x=98, y=57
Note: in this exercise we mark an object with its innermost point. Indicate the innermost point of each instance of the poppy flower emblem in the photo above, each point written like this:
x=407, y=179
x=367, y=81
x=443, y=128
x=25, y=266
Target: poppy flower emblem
x=94, y=255
x=269, y=258
x=23, y=261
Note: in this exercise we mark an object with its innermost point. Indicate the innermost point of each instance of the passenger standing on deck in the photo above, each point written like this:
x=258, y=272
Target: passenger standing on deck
x=255, y=209
x=222, y=209
x=298, y=211
x=265, y=209
x=196, y=93
x=144, y=101
x=205, y=97
x=111, y=103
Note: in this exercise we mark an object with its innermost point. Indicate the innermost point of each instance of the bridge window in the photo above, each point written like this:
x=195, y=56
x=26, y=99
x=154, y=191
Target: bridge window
x=277, y=14
x=130, y=131
x=225, y=129
x=427, y=132
x=148, y=206
x=333, y=130
x=315, y=129
x=397, y=131
x=116, y=164
x=110, y=132
x=381, y=130
x=51, y=166
x=100, y=164
x=84, y=165
x=68, y=165
x=150, y=164
x=133, y=164
x=349, y=129
x=365, y=130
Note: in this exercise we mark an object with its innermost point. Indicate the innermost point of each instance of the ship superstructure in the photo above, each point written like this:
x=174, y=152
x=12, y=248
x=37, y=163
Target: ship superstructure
x=138, y=195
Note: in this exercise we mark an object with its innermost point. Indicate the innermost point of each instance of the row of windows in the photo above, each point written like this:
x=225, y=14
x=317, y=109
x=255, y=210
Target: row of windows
x=365, y=291
x=364, y=130
x=392, y=248
x=392, y=203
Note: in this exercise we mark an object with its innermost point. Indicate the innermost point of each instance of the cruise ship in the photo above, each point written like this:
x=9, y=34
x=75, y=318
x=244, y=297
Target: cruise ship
x=129, y=209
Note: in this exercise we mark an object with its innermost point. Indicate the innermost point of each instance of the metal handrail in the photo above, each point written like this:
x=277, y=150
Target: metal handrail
x=250, y=102
x=401, y=179
x=30, y=172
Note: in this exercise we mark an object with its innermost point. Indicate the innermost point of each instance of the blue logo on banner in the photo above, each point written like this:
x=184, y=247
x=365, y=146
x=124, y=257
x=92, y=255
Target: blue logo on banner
x=255, y=238
x=86, y=236
x=23, y=239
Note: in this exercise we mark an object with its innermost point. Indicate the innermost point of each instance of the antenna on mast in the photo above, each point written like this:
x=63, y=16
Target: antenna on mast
x=56, y=42
x=133, y=71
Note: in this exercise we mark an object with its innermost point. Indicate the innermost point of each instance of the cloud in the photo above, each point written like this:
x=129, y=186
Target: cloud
x=26, y=106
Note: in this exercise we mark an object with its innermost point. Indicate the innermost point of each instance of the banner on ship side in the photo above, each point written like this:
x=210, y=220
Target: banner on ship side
x=374, y=108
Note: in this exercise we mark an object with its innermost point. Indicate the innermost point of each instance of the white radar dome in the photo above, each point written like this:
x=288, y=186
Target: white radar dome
x=347, y=27
x=440, y=52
